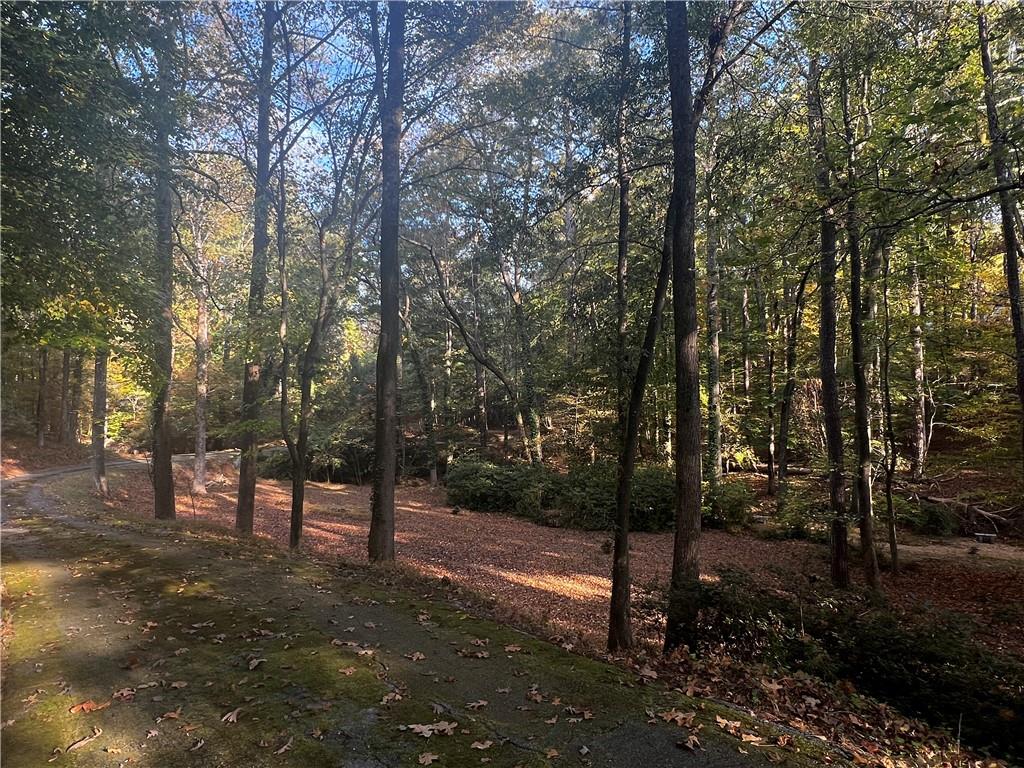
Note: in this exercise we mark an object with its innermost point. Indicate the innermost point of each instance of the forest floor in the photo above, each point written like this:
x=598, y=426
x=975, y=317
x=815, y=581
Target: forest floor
x=554, y=582
x=129, y=641
x=560, y=578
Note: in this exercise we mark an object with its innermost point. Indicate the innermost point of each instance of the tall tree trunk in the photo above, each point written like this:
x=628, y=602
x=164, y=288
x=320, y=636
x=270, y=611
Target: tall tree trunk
x=65, y=380
x=827, y=336
x=99, y=422
x=683, y=603
x=478, y=367
x=1011, y=246
x=786, y=401
x=74, y=422
x=622, y=256
x=859, y=310
x=44, y=363
x=745, y=328
x=202, y=345
x=920, y=433
x=771, y=324
x=714, y=329
x=249, y=414
x=297, y=461
x=890, y=432
x=381, y=545
x=163, y=477
x=620, y=633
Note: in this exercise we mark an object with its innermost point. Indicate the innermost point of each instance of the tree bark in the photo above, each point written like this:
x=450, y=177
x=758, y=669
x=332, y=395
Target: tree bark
x=622, y=237
x=44, y=363
x=890, y=432
x=99, y=422
x=202, y=347
x=381, y=544
x=683, y=603
x=163, y=477
x=249, y=414
x=859, y=311
x=770, y=323
x=74, y=427
x=65, y=379
x=714, y=329
x=920, y=433
x=620, y=633
x=827, y=335
x=1000, y=165
x=478, y=367
x=793, y=323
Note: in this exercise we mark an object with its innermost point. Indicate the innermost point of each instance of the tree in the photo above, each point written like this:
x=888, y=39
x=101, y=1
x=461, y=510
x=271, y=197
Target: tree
x=163, y=123
x=99, y=422
x=253, y=352
x=1011, y=245
x=827, y=333
x=382, y=520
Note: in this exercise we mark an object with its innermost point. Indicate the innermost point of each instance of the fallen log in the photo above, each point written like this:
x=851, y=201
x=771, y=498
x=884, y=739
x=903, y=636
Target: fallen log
x=964, y=509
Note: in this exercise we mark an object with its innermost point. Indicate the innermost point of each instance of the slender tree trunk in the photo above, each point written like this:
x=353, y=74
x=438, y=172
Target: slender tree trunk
x=771, y=323
x=859, y=310
x=1011, y=246
x=683, y=604
x=890, y=432
x=920, y=434
x=381, y=545
x=786, y=402
x=99, y=422
x=827, y=338
x=74, y=425
x=163, y=477
x=745, y=328
x=245, y=510
x=622, y=257
x=714, y=329
x=44, y=363
x=478, y=367
x=202, y=345
x=65, y=380
x=620, y=633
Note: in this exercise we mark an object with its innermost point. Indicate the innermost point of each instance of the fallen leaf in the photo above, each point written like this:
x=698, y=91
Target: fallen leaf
x=232, y=716
x=477, y=704
x=550, y=754
x=348, y=671
x=427, y=758
x=682, y=719
x=255, y=663
x=285, y=747
x=481, y=745
x=179, y=684
x=88, y=706
x=415, y=656
x=197, y=746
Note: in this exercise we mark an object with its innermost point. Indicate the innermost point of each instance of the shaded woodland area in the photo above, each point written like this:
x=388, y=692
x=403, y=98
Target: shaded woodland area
x=626, y=268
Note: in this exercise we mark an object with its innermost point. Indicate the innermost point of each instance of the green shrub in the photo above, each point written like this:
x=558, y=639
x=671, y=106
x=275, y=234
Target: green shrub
x=583, y=498
x=729, y=506
x=654, y=499
x=932, y=519
x=274, y=464
x=586, y=497
x=518, y=489
x=929, y=665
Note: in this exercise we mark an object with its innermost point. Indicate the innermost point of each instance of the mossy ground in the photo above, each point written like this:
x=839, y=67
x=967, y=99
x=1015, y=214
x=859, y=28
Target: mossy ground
x=178, y=628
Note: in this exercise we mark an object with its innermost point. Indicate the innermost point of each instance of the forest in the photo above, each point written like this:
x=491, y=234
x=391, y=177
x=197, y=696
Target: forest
x=676, y=348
